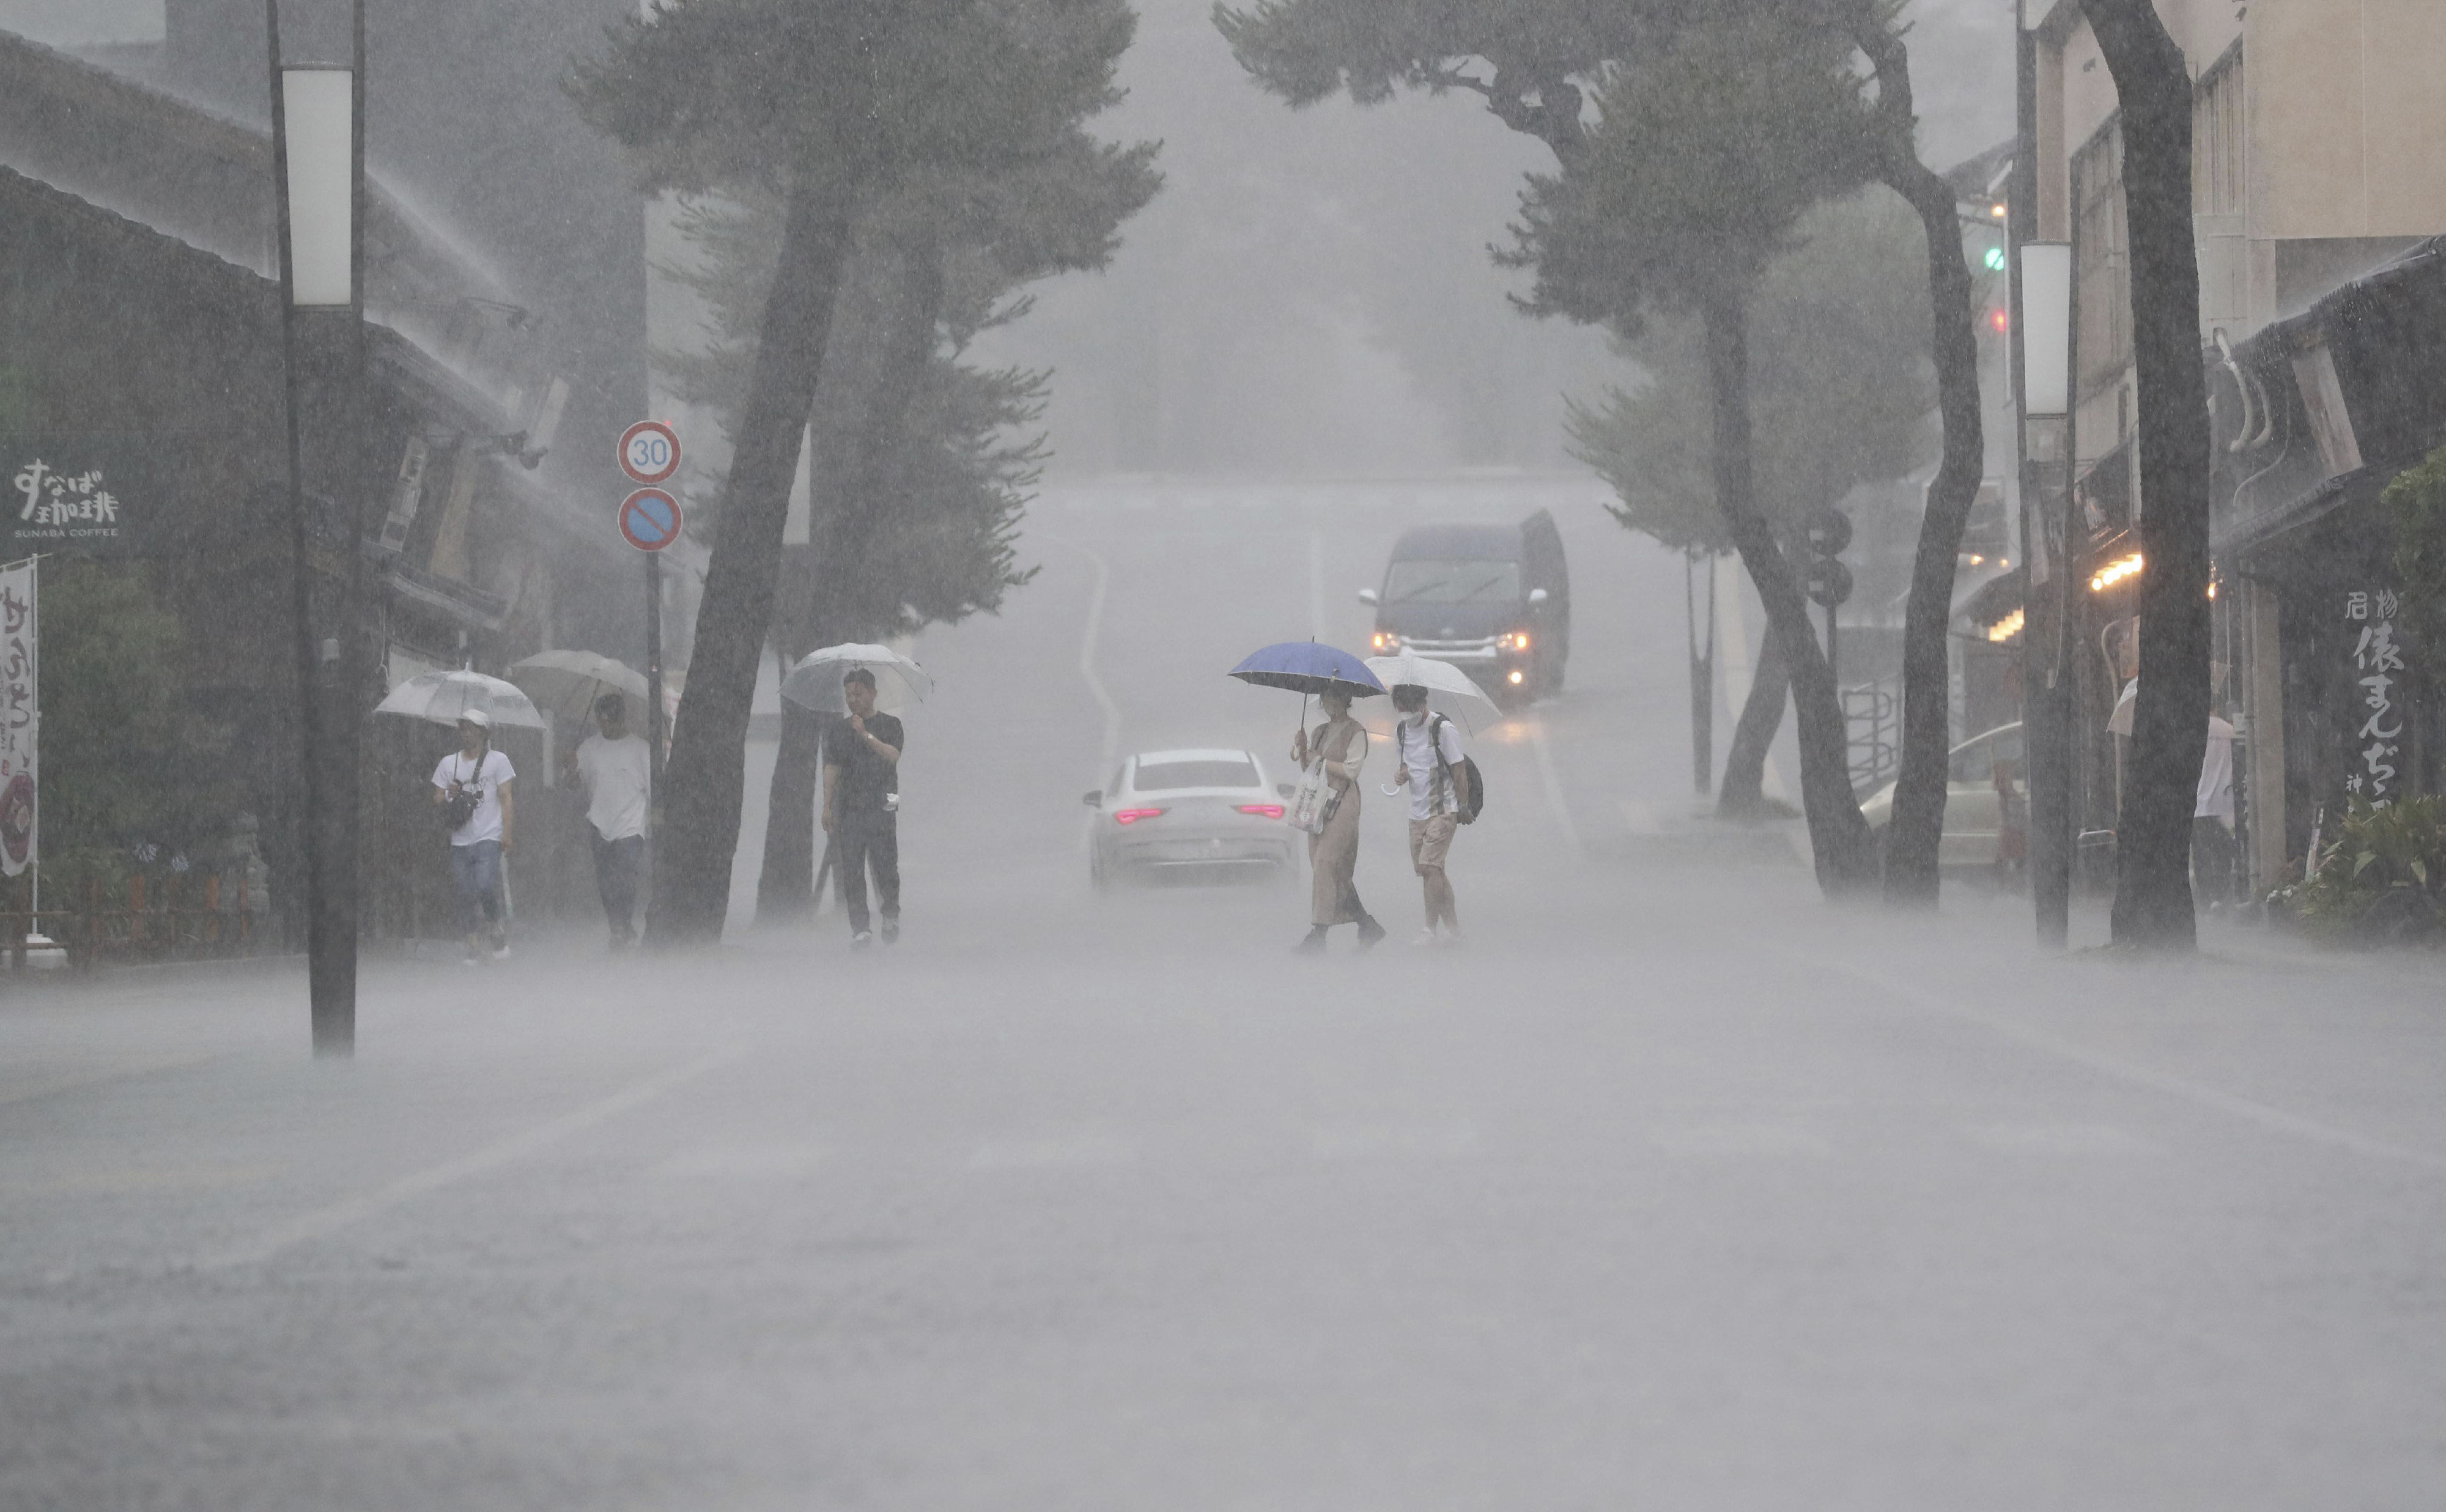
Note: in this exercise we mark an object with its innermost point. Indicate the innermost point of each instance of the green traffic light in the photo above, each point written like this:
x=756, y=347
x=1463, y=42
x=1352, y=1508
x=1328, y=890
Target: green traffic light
x=1995, y=259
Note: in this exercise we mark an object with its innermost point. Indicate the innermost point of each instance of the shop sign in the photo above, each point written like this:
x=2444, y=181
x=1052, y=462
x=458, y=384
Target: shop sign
x=75, y=496
x=20, y=720
x=2377, y=670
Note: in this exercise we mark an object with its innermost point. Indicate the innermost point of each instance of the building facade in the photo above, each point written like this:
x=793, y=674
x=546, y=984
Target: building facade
x=2319, y=175
x=140, y=336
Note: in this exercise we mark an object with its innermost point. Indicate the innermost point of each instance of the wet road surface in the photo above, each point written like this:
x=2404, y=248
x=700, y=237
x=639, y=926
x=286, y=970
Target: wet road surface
x=1674, y=1188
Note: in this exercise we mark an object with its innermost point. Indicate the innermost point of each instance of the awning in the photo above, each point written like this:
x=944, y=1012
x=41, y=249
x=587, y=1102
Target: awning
x=1994, y=601
x=2329, y=535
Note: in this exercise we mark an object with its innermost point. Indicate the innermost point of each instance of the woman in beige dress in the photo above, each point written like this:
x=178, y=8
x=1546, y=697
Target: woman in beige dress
x=1333, y=853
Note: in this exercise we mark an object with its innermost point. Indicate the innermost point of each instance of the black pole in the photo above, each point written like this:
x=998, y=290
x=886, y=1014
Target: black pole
x=654, y=684
x=1831, y=663
x=2046, y=685
x=327, y=664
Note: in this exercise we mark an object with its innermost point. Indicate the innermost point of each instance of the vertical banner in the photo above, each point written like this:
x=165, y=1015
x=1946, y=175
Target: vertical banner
x=20, y=718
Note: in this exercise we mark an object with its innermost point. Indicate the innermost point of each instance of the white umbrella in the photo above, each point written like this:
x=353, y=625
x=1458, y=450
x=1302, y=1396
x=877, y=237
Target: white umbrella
x=815, y=681
x=566, y=683
x=439, y=697
x=1449, y=689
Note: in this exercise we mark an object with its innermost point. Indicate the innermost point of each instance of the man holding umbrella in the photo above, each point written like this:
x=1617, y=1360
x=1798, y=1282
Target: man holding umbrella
x=616, y=770
x=862, y=804
x=1429, y=748
x=473, y=785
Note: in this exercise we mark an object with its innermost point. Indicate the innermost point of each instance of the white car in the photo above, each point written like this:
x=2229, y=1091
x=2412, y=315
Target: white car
x=1204, y=816
x=1980, y=774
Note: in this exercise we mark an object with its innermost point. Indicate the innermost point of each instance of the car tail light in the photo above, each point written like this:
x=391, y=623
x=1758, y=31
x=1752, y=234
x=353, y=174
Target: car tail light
x=1133, y=815
x=1270, y=811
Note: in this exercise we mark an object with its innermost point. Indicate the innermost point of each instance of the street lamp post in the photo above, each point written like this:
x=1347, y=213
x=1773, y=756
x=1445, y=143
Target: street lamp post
x=2041, y=323
x=318, y=134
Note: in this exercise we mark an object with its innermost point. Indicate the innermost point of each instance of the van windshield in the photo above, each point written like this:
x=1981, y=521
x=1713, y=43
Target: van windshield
x=1431, y=580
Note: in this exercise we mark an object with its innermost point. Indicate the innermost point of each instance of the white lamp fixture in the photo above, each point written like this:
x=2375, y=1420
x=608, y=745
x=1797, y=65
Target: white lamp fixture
x=2046, y=328
x=318, y=111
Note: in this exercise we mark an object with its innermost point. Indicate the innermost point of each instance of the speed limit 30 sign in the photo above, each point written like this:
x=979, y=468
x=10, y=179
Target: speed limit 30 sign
x=650, y=452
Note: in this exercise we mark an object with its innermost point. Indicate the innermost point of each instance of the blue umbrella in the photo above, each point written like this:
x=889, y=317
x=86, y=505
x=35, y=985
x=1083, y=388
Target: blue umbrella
x=1306, y=666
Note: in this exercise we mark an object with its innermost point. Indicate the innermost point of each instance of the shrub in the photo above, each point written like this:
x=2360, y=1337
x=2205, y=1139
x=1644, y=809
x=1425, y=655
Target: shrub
x=2382, y=878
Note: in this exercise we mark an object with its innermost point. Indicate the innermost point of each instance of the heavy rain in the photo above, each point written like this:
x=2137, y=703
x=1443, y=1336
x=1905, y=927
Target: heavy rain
x=1280, y=755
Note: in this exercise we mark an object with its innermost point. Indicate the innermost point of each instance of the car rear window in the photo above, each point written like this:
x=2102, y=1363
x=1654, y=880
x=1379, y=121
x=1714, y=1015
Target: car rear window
x=1161, y=777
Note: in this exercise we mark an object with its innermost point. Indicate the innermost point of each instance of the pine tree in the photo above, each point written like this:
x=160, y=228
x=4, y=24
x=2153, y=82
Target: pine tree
x=1531, y=62
x=1842, y=388
x=830, y=107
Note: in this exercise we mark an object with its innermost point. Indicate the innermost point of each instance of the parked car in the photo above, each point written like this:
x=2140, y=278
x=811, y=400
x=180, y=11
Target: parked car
x=1192, y=816
x=1494, y=599
x=1983, y=775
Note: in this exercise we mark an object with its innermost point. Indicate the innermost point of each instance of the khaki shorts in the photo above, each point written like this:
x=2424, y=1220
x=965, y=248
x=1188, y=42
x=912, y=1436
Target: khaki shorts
x=1429, y=840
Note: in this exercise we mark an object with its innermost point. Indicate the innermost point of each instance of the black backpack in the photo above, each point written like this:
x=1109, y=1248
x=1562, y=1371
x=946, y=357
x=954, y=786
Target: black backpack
x=1465, y=807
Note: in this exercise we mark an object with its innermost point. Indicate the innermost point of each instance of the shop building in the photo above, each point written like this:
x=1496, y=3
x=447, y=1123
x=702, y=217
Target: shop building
x=2316, y=185
x=141, y=337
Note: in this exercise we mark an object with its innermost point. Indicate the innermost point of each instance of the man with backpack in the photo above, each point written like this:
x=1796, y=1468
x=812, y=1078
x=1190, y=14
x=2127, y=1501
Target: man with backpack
x=1443, y=795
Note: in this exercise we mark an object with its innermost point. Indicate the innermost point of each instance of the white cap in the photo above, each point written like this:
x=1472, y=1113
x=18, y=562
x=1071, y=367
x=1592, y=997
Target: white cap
x=477, y=718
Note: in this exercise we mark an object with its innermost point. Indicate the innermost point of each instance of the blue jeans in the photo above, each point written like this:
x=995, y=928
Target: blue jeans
x=477, y=870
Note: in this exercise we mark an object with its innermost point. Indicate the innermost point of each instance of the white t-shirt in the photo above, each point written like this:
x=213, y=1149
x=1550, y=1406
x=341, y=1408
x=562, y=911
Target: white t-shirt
x=1430, y=795
x=2118, y=719
x=487, y=778
x=616, y=774
x=2216, y=774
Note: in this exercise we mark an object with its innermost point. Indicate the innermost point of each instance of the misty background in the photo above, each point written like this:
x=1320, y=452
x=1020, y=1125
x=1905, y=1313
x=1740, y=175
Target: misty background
x=1311, y=294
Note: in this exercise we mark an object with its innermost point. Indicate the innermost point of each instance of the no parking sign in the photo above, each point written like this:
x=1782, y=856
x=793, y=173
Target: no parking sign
x=650, y=519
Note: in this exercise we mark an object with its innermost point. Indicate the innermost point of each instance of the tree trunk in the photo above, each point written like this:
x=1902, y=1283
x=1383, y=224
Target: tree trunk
x=873, y=484
x=786, y=893
x=853, y=490
x=2152, y=889
x=1840, y=838
x=709, y=754
x=1918, y=824
x=1742, y=795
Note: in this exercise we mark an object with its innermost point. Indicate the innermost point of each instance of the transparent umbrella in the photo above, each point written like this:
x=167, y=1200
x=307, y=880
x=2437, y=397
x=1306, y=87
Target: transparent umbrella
x=1450, y=690
x=441, y=697
x=566, y=683
x=815, y=681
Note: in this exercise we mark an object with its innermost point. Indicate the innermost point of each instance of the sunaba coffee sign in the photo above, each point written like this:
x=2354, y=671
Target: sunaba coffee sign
x=76, y=495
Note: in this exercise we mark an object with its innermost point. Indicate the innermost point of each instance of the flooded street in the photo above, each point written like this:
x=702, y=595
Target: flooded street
x=1672, y=1184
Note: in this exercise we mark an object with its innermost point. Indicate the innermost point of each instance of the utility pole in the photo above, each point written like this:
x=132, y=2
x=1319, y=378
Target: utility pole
x=2040, y=362
x=318, y=135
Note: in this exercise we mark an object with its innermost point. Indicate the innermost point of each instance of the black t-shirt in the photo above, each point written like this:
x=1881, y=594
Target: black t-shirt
x=865, y=776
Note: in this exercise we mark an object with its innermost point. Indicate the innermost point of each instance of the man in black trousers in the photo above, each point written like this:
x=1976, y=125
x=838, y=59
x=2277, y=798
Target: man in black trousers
x=861, y=803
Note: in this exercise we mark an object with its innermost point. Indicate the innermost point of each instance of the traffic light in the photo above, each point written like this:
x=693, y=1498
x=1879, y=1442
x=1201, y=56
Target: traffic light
x=1826, y=530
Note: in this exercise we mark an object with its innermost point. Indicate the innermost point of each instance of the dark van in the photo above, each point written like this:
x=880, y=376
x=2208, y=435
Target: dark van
x=1494, y=599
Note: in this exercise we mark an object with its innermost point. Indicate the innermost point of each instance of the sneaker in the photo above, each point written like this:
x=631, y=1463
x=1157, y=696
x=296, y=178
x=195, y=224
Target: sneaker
x=861, y=940
x=1313, y=945
x=1369, y=931
x=891, y=931
x=501, y=951
x=469, y=960
x=1423, y=939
